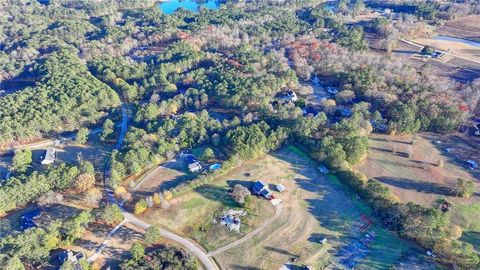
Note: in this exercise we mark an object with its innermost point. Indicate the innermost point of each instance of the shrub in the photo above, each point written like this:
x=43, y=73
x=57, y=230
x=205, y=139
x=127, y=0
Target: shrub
x=140, y=206
x=84, y=182
x=111, y=214
x=463, y=188
x=152, y=235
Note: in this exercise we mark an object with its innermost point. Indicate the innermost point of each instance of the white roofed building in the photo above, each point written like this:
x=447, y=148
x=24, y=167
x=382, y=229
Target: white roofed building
x=50, y=156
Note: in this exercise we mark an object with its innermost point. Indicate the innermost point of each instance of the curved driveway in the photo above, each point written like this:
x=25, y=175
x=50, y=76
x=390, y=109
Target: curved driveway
x=200, y=254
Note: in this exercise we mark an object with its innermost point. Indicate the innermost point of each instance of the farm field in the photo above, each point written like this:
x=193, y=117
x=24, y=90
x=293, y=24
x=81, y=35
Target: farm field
x=466, y=27
x=313, y=206
x=418, y=178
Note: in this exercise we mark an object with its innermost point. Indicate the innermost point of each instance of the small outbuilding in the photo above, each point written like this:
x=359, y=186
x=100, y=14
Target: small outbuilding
x=310, y=111
x=68, y=255
x=280, y=187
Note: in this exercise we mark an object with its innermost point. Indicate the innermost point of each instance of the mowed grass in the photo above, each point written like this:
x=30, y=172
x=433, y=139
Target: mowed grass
x=468, y=217
x=314, y=206
x=414, y=172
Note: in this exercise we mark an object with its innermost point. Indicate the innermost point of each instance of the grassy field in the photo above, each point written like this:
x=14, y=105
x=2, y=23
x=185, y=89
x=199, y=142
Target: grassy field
x=314, y=206
x=166, y=175
x=418, y=177
x=412, y=171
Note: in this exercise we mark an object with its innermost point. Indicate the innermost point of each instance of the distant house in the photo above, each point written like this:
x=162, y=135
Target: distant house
x=291, y=96
x=323, y=169
x=310, y=111
x=473, y=165
x=50, y=156
x=332, y=90
x=379, y=126
x=437, y=54
x=261, y=189
x=345, y=112
x=193, y=163
x=27, y=221
x=68, y=255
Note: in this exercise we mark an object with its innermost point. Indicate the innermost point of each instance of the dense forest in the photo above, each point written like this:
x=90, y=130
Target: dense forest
x=219, y=78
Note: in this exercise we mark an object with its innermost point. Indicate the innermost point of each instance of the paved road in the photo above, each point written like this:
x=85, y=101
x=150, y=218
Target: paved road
x=278, y=211
x=189, y=245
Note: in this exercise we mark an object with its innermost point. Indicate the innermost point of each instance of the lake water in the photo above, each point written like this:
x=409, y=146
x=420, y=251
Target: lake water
x=169, y=6
x=461, y=40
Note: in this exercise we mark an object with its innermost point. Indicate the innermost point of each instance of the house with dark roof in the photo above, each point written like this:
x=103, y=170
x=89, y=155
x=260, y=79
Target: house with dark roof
x=27, y=221
x=261, y=189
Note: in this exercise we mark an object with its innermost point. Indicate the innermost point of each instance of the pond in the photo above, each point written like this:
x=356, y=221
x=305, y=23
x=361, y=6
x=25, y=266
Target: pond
x=170, y=6
x=454, y=39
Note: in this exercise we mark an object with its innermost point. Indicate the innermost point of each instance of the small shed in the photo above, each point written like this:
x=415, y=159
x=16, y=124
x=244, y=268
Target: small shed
x=194, y=167
x=280, y=187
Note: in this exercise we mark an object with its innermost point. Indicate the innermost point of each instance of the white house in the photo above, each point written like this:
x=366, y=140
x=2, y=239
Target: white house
x=194, y=167
x=291, y=96
x=50, y=155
